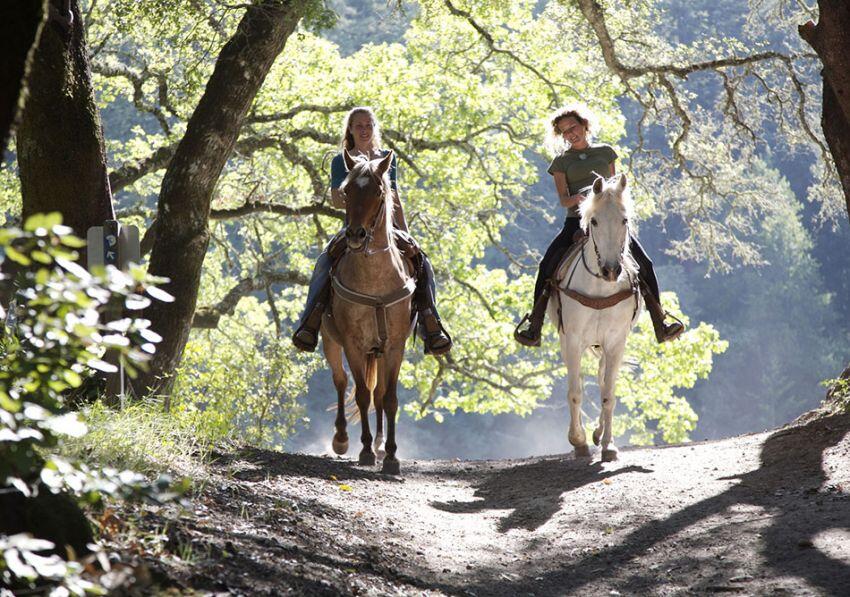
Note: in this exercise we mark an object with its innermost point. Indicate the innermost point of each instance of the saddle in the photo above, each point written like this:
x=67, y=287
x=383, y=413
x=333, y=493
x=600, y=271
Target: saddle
x=405, y=243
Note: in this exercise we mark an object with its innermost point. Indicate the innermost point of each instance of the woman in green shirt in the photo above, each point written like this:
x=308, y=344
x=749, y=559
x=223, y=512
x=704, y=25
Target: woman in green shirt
x=574, y=170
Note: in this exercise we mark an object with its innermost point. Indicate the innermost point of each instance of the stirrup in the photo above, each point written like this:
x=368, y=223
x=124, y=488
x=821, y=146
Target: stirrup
x=682, y=327
x=440, y=349
x=522, y=338
x=302, y=344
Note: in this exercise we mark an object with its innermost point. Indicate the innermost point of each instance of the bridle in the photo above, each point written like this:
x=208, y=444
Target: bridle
x=599, y=257
x=370, y=231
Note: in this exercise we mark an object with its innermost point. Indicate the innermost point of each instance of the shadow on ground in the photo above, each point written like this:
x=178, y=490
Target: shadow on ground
x=786, y=485
x=532, y=491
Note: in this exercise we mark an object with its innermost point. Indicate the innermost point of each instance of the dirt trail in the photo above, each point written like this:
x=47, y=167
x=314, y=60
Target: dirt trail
x=757, y=514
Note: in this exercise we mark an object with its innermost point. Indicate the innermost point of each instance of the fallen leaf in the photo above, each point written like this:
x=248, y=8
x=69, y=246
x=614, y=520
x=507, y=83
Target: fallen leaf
x=607, y=481
x=345, y=487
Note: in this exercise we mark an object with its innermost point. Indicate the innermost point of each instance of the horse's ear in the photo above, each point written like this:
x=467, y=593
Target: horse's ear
x=622, y=182
x=349, y=161
x=597, y=185
x=384, y=164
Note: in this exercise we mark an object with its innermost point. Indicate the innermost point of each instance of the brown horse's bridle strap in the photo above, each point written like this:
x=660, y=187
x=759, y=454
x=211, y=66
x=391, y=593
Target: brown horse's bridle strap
x=378, y=303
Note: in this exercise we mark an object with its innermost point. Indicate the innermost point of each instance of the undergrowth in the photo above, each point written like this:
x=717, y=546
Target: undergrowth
x=143, y=437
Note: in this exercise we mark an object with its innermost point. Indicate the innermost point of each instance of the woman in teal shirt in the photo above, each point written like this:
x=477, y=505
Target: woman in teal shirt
x=574, y=170
x=361, y=136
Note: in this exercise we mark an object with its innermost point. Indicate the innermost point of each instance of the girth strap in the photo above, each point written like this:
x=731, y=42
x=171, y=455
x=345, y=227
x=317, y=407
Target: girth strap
x=378, y=303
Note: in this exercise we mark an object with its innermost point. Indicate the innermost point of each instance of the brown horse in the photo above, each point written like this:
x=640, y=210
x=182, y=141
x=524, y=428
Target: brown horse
x=370, y=315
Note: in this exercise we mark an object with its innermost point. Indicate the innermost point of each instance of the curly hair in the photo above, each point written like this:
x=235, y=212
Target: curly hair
x=347, y=140
x=577, y=110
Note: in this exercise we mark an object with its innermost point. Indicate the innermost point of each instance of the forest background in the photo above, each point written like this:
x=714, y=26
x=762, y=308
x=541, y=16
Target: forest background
x=740, y=215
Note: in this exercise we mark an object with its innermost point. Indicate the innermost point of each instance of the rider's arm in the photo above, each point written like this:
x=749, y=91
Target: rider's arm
x=398, y=210
x=338, y=174
x=563, y=189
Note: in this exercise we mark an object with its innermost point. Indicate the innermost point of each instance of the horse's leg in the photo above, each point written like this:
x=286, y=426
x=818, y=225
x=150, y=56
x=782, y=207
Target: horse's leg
x=391, y=464
x=378, y=399
x=333, y=355
x=577, y=436
x=363, y=396
x=600, y=376
x=613, y=358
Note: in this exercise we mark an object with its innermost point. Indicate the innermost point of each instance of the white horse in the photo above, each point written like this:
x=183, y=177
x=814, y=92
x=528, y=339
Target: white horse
x=598, y=304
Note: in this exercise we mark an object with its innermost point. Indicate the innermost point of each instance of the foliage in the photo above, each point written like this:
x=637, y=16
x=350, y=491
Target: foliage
x=648, y=390
x=21, y=566
x=468, y=153
x=242, y=380
x=59, y=325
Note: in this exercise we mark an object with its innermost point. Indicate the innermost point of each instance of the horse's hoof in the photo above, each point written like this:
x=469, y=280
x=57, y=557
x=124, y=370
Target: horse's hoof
x=609, y=455
x=366, y=459
x=340, y=447
x=596, y=435
x=582, y=452
x=391, y=467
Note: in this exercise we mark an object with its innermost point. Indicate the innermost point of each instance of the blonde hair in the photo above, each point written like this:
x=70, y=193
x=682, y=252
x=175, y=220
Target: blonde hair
x=554, y=139
x=347, y=140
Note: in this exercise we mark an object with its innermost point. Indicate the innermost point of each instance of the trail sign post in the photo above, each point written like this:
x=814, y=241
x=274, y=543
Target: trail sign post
x=113, y=244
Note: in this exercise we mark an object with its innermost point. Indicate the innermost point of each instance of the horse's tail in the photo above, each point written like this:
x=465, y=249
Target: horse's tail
x=371, y=374
x=352, y=412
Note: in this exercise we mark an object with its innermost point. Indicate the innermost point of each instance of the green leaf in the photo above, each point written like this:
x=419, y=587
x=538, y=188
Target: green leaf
x=17, y=256
x=41, y=257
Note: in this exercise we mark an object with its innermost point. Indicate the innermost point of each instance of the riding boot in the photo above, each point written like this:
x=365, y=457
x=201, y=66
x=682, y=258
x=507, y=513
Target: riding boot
x=664, y=332
x=530, y=334
x=306, y=335
x=434, y=336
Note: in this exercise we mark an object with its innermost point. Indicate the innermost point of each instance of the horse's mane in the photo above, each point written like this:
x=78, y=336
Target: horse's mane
x=610, y=194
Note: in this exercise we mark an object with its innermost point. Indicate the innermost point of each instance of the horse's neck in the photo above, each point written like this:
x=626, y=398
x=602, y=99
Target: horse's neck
x=376, y=269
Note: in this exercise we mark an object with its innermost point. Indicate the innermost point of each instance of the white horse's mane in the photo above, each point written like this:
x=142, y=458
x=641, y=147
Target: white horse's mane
x=622, y=199
x=609, y=193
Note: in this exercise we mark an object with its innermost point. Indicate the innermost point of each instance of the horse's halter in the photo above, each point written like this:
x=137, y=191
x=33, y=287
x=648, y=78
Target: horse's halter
x=370, y=231
x=599, y=257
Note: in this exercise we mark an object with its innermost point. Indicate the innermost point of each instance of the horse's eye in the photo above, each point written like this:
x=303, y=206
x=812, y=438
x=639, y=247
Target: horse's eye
x=593, y=221
x=625, y=221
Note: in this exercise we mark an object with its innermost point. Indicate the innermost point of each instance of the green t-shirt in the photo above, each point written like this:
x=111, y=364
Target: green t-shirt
x=581, y=167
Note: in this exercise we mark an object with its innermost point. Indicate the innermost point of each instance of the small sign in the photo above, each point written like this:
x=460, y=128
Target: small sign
x=113, y=244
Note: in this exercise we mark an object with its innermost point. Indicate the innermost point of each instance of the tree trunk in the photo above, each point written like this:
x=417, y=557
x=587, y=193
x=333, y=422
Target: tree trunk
x=187, y=187
x=59, y=142
x=19, y=29
x=830, y=38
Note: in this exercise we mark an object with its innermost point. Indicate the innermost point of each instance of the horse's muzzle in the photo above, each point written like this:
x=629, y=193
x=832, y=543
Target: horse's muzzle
x=356, y=238
x=611, y=272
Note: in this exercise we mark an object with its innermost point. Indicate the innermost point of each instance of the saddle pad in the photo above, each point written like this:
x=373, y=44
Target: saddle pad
x=567, y=260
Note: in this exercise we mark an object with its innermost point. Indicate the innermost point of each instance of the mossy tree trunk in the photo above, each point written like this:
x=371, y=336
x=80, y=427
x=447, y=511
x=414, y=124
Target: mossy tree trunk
x=59, y=141
x=187, y=187
x=19, y=29
x=830, y=38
